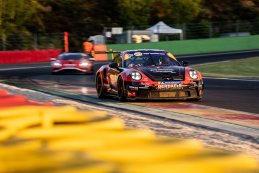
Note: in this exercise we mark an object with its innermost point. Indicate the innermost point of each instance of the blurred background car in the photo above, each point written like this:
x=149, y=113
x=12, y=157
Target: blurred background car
x=72, y=63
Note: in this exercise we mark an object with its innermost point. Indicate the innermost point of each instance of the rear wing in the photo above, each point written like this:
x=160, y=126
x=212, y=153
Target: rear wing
x=104, y=52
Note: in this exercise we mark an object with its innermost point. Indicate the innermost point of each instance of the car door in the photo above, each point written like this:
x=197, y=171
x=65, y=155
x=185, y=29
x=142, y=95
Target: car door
x=113, y=73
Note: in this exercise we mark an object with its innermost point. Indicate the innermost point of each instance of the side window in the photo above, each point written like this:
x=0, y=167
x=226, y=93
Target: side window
x=118, y=60
x=60, y=57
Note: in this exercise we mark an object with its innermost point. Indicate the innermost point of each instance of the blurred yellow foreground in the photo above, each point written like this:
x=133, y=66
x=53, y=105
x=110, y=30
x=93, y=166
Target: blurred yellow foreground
x=38, y=138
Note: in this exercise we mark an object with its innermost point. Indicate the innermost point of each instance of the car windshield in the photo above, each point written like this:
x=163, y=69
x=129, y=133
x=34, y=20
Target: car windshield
x=140, y=59
x=71, y=57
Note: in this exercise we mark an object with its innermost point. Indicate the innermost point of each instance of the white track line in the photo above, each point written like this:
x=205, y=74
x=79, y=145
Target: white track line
x=22, y=68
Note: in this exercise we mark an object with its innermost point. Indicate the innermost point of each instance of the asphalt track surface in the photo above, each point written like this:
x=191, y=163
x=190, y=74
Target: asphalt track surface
x=238, y=94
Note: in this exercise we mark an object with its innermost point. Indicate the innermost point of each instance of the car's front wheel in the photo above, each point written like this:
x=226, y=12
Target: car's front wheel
x=101, y=91
x=121, y=90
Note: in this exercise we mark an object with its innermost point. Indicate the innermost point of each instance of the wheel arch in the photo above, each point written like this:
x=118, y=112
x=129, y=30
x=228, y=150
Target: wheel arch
x=123, y=76
x=97, y=74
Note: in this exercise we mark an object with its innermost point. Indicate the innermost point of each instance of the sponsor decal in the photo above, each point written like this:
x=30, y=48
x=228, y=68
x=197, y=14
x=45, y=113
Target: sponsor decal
x=169, y=82
x=170, y=85
x=161, y=70
x=138, y=54
x=144, y=87
x=133, y=87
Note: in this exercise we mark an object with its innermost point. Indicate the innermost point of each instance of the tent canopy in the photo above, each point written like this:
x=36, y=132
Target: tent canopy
x=162, y=28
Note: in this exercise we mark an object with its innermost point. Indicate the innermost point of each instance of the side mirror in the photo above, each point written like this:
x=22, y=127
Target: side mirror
x=185, y=63
x=53, y=59
x=114, y=65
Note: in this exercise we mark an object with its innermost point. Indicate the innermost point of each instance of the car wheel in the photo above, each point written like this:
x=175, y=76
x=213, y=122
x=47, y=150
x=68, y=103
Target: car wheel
x=121, y=90
x=101, y=91
x=53, y=73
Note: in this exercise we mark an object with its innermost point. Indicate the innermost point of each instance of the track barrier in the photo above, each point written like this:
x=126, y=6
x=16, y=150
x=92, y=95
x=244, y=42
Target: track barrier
x=42, y=137
x=32, y=56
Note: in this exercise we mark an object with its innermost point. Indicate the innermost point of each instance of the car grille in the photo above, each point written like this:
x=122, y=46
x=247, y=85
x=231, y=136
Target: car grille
x=165, y=76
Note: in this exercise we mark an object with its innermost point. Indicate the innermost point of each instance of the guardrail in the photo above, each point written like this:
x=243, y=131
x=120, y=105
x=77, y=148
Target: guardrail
x=42, y=137
x=32, y=56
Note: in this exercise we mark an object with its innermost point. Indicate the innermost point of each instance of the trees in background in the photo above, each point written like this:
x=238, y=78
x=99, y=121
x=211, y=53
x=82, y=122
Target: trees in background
x=218, y=10
x=83, y=18
x=90, y=16
x=20, y=16
x=133, y=12
x=174, y=11
x=18, y=19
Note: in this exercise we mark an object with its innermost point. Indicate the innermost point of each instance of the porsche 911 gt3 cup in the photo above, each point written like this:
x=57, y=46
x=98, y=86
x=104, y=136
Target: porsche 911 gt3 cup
x=148, y=74
x=72, y=62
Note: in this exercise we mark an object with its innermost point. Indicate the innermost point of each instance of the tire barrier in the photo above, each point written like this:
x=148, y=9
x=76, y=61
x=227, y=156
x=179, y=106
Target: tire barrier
x=42, y=137
x=32, y=56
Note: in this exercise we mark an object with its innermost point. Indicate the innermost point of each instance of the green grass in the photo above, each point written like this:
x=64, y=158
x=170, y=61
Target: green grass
x=248, y=68
x=196, y=46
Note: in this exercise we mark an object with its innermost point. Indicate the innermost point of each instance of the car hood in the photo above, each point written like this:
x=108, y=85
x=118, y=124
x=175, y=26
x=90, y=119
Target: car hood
x=163, y=73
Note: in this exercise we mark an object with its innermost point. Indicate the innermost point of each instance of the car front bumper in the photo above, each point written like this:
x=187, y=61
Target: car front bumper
x=191, y=91
x=71, y=69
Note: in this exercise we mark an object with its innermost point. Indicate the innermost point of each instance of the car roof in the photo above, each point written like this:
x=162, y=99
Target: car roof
x=70, y=53
x=144, y=50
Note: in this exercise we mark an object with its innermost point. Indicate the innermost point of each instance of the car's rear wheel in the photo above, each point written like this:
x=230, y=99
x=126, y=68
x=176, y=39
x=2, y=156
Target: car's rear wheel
x=121, y=90
x=101, y=91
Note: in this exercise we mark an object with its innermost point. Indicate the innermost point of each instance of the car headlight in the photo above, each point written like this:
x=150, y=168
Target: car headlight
x=193, y=74
x=56, y=64
x=135, y=75
x=84, y=63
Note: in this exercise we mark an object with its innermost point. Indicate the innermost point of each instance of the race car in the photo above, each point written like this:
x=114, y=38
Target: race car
x=148, y=74
x=72, y=62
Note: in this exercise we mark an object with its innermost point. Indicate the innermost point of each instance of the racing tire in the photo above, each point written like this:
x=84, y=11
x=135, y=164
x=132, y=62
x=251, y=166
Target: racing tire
x=54, y=73
x=101, y=91
x=121, y=90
